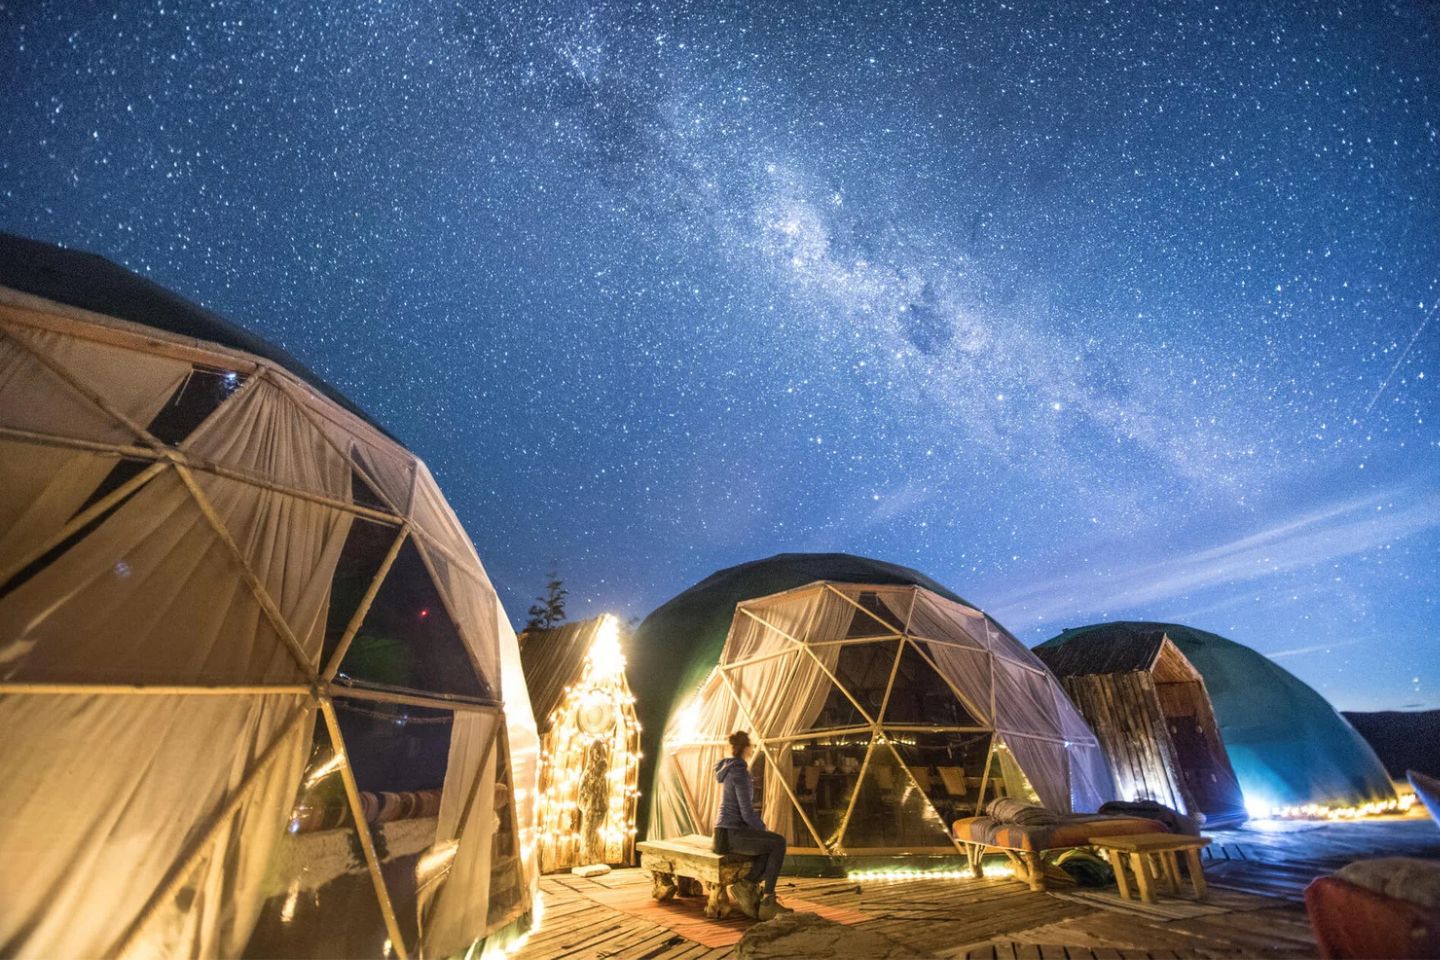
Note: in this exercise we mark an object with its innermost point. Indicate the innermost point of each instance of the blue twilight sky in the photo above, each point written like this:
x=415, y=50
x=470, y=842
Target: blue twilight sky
x=1088, y=310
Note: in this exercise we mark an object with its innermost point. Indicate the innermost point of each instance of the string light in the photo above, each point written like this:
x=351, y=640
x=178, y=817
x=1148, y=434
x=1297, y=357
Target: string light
x=1317, y=811
x=993, y=871
x=598, y=710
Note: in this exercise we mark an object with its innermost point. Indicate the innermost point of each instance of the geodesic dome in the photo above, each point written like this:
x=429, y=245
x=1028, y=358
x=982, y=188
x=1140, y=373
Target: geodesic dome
x=881, y=715
x=1289, y=747
x=251, y=668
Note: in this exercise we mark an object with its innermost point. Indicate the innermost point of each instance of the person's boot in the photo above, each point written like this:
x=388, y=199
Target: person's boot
x=770, y=908
x=746, y=894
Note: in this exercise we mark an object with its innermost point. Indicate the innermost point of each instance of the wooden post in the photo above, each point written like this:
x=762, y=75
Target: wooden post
x=1142, y=877
x=1117, y=864
x=1197, y=872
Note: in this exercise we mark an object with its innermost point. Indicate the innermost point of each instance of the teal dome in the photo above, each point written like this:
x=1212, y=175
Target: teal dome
x=678, y=644
x=1287, y=743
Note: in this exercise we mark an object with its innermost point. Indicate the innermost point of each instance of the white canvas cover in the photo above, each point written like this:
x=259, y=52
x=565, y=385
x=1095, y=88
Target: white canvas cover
x=227, y=607
x=881, y=713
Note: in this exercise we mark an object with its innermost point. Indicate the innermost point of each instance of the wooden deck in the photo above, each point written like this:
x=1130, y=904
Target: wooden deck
x=1255, y=909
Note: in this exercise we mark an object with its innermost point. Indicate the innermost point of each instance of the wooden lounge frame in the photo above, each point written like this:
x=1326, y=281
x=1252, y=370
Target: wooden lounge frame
x=1030, y=866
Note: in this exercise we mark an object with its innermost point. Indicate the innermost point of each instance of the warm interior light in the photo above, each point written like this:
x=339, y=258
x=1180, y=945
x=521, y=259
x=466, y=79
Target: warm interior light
x=596, y=714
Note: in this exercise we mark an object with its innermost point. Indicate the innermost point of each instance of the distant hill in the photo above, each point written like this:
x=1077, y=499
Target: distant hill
x=1403, y=739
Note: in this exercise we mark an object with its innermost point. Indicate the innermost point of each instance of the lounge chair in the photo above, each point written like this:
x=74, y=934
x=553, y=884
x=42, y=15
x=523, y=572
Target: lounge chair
x=1025, y=845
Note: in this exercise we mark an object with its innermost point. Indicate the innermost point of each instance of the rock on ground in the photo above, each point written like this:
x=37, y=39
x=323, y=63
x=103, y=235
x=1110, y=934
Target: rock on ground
x=807, y=936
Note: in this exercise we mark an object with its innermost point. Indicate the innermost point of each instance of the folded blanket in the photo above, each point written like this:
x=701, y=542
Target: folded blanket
x=1150, y=810
x=1010, y=810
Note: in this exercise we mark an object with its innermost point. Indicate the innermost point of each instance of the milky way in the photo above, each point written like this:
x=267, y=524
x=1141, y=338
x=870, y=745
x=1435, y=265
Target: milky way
x=1088, y=311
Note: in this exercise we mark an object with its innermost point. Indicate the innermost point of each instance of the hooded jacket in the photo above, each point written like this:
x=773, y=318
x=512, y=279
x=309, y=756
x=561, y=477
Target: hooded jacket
x=737, y=796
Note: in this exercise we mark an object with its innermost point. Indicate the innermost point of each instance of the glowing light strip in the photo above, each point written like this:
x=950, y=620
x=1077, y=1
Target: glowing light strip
x=993, y=871
x=1316, y=811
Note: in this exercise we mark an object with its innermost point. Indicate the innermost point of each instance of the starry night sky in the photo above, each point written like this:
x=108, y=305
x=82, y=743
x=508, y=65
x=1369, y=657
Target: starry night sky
x=1086, y=310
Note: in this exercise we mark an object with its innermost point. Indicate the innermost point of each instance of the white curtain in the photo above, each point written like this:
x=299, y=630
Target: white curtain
x=524, y=743
x=686, y=795
x=33, y=397
x=44, y=486
x=834, y=613
x=969, y=672
x=151, y=595
x=262, y=432
x=765, y=632
x=388, y=468
x=104, y=795
x=1046, y=765
x=291, y=544
x=457, y=891
x=937, y=618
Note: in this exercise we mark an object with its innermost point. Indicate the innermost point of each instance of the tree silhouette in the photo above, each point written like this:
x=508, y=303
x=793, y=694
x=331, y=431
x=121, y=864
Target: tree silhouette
x=549, y=611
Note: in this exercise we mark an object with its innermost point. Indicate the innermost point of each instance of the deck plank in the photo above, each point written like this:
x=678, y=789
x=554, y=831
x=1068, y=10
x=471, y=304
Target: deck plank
x=1257, y=878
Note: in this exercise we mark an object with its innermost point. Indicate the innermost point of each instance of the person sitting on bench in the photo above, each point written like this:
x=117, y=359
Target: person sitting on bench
x=739, y=830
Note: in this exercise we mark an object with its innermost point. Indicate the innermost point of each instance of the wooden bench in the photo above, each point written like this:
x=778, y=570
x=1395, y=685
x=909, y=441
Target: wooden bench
x=1154, y=859
x=689, y=865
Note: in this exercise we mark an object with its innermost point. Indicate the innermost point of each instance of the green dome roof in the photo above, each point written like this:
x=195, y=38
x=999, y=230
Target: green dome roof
x=1289, y=747
x=677, y=645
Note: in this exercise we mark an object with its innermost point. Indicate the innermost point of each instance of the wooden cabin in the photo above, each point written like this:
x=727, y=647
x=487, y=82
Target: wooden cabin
x=1152, y=714
x=589, y=744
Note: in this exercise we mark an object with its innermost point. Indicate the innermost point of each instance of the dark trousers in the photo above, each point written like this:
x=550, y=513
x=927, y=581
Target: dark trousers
x=766, y=847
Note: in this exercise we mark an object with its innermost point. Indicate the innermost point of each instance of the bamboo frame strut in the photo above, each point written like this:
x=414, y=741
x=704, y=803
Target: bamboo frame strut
x=303, y=404
x=770, y=626
x=875, y=734
x=444, y=589
x=200, y=846
x=15, y=688
x=27, y=310
x=853, y=641
x=362, y=829
x=925, y=797
x=985, y=777
x=760, y=744
x=889, y=627
x=357, y=619
x=844, y=825
x=959, y=695
x=59, y=370
x=81, y=519
x=77, y=443
x=437, y=701
x=262, y=595
x=199, y=465
x=785, y=651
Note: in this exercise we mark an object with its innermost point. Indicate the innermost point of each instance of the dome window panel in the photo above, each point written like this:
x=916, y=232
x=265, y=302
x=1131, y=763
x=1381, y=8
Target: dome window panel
x=407, y=640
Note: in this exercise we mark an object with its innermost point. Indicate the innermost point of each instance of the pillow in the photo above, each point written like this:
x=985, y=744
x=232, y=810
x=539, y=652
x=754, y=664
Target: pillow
x=1020, y=813
x=1404, y=878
